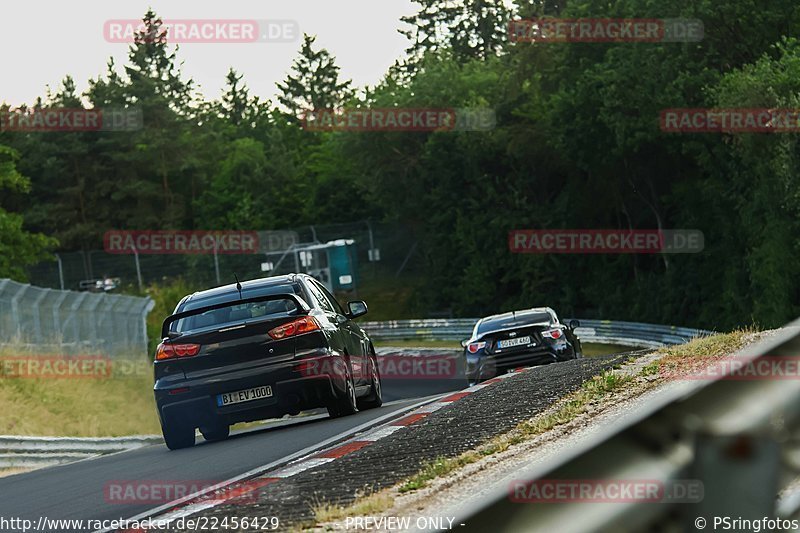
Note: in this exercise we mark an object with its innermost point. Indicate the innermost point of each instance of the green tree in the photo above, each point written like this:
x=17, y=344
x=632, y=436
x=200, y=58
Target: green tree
x=18, y=247
x=757, y=180
x=64, y=166
x=230, y=200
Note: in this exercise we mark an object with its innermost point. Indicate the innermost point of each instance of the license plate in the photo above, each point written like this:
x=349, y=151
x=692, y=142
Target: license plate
x=248, y=395
x=514, y=342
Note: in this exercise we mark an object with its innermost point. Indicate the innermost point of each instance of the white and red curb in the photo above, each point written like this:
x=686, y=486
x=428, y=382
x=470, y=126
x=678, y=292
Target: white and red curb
x=326, y=456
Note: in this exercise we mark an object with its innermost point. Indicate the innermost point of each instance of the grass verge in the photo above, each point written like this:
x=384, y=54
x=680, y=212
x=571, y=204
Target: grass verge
x=97, y=406
x=368, y=505
x=575, y=404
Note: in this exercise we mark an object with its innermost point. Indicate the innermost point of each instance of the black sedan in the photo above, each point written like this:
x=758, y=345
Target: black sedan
x=261, y=349
x=517, y=339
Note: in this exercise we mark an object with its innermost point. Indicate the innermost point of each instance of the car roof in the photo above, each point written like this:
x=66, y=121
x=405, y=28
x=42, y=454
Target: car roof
x=259, y=283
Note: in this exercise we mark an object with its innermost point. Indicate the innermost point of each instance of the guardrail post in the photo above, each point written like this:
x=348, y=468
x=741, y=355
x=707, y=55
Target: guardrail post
x=71, y=317
x=143, y=312
x=57, y=326
x=15, y=318
x=37, y=316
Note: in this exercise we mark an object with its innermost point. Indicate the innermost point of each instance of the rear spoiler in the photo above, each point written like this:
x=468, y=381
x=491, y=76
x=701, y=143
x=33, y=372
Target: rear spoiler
x=301, y=304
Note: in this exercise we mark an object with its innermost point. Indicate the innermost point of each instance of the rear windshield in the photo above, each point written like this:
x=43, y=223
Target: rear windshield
x=237, y=314
x=510, y=322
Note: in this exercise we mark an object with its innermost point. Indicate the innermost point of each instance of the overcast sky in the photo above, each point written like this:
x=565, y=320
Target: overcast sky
x=44, y=40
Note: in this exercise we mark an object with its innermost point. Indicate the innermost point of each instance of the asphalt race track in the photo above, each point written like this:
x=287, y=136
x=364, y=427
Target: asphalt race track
x=76, y=490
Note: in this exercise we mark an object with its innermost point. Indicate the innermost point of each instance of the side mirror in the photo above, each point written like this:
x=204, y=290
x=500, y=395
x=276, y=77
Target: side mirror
x=356, y=308
x=574, y=324
x=464, y=343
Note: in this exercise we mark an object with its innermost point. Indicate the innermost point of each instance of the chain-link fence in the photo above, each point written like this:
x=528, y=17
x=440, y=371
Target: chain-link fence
x=40, y=320
x=373, y=252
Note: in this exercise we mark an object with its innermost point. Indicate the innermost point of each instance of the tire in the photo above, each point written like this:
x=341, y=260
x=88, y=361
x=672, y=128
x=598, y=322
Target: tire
x=178, y=437
x=216, y=433
x=375, y=397
x=348, y=405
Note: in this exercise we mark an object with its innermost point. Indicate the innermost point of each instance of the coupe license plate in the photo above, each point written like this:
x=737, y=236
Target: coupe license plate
x=514, y=342
x=248, y=395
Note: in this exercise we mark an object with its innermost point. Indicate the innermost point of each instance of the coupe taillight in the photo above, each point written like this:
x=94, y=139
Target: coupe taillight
x=473, y=347
x=295, y=327
x=166, y=350
x=553, y=333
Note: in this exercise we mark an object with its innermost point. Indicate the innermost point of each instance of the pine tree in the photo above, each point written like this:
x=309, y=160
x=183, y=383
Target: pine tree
x=154, y=166
x=470, y=29
x=237, y=106
x=314, y=84
x=154, y=69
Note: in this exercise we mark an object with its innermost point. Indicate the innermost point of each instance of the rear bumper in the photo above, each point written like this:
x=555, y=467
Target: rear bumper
x=481, y=366
x=294, y=389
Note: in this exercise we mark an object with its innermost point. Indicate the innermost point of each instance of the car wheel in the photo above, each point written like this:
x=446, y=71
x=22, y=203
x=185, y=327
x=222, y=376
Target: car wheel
x=347, y=405
x=216, y=433
x=178, y=437
x=375, y=397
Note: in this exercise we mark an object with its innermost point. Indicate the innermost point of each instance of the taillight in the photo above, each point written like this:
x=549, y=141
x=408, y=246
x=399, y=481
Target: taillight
x=473, y=347
x=174, y=351
x=295, y=327
x=553, y=333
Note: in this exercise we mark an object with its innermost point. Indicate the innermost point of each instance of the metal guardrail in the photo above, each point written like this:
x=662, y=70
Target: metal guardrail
x=739, y=438
x=633, y=334
x=34, y=452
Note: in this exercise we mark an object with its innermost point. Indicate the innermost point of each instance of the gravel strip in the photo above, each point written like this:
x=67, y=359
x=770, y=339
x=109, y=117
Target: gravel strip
x=446, y=432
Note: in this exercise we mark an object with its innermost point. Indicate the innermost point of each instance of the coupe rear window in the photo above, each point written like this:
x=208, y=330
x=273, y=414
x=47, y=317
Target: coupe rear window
x=509, y=322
